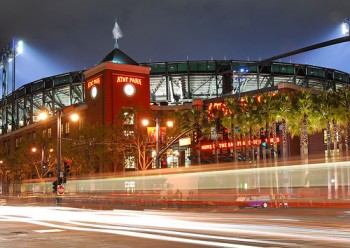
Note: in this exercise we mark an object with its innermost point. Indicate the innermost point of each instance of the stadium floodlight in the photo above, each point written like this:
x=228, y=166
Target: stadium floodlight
x=345, y=26
x=19, y=47
x=8, y=55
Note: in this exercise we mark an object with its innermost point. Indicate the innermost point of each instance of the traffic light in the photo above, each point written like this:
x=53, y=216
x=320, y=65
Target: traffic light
x=66, y=167
x=54, y=187
x=225, y=133
x=66, y=164
x=195, y=136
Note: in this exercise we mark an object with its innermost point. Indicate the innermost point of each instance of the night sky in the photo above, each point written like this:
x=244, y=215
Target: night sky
x=68, y=35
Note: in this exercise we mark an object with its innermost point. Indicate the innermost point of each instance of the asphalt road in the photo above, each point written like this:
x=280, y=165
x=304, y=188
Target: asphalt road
x=67, y=227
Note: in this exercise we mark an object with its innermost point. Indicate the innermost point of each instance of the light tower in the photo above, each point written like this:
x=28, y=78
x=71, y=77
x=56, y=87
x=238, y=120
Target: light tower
x=345, y=26
x=8, y=56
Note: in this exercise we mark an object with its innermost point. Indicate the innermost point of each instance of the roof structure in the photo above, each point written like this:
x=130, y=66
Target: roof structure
x=119, y=57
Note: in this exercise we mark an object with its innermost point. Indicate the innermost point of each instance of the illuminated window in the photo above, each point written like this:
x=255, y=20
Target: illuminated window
x=17, y=142
x=66, y=129
x=128, y=117
x=128, y=133
x=49, y=132
x=130, y=162
x=80, y=124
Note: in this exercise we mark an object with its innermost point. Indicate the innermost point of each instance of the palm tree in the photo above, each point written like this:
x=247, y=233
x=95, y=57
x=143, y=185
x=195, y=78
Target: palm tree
x=231, y=119
x=284, y=107
x=326, y=110
x=344, y=106
x=302, y=114
x=246, y=121
x=267, y=111
x=190, y=119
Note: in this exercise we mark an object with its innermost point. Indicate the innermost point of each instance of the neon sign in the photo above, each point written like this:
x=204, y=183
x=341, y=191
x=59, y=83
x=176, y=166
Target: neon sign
x=127, y=79
x=93, y=82
x=239, y=143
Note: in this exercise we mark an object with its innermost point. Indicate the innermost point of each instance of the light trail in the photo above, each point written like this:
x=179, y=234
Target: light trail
x=168, y=226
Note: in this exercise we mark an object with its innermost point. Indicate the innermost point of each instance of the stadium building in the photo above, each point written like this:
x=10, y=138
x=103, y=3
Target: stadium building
x=118, y=81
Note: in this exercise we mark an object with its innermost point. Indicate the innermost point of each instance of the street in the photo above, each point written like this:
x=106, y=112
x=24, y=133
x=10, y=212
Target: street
x=232, y=227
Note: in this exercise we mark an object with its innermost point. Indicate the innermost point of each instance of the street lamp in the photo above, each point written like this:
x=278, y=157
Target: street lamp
x=43, y=115
x=240, y=74
x=145, y=122
x=1, y=175
x=73, y=117
x=34, y=150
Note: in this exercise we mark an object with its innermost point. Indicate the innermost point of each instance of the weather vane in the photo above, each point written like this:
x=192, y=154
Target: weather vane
x=117, y=34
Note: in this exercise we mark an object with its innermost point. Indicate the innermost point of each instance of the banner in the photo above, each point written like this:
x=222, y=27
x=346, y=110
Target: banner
x=151, y=133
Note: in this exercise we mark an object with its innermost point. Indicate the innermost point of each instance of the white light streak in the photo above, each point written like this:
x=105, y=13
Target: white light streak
x=170, y=226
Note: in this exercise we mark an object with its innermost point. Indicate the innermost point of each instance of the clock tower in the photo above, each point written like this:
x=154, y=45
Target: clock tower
x=116, y=83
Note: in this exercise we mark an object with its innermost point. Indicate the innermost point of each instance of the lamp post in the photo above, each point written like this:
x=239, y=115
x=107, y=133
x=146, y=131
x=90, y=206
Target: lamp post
x=59, y=145
x=34, y=150
x=74, y=117
x=157, y=120
x=157, y=143
x=1, y=176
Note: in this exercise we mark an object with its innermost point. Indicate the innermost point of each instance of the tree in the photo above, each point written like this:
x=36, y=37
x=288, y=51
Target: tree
x=344, y=113
x=326, y=109
x=24, y=163
x=92, y=150
x=303, y=110
x=283, y=107
x=231, y=120
x=192, y=119
x=268, y=111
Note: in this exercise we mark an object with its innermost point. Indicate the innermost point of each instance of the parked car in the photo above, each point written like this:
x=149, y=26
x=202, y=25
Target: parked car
x=254, y=201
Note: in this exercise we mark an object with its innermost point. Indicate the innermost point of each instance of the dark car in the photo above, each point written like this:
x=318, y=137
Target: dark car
x=262, y=201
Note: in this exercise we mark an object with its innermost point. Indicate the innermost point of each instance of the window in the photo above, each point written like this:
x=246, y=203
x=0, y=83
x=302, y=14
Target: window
x=128, y=122
x=49, y=132
x=130, y=162
x=128, y=133
x=17, y=143
x=129, y=117
x=66, y=129
x=44, y=133
x=80, y=124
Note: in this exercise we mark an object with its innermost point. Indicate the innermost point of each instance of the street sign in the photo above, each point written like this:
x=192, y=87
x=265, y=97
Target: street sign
x=179, y=148
x=60, y=190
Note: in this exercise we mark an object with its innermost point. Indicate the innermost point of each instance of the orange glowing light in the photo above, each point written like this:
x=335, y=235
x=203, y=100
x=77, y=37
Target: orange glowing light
x=93, y=82
x=239, y=143
x=127, y=79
